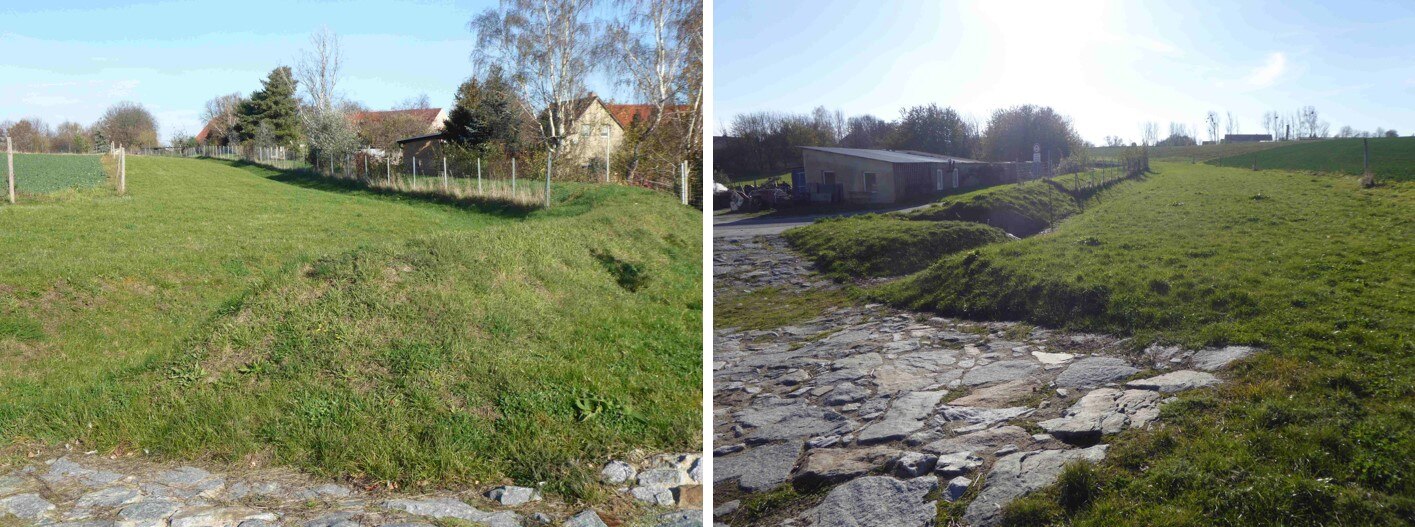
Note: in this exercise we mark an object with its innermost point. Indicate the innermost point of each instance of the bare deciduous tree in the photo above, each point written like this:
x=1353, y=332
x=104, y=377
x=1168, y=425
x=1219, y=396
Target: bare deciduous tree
x=1211, y=120
x=222, y=114
x=654, y=44
x=1149, y=133
x=318, y=69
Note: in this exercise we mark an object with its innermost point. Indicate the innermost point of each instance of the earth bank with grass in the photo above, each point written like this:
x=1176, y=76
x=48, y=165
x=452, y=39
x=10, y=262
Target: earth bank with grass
x=242, y=316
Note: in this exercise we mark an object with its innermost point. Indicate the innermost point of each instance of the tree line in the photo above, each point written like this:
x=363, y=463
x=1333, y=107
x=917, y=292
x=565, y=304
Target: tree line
x=125, y=123
x=768, y=142
x=1302, y=123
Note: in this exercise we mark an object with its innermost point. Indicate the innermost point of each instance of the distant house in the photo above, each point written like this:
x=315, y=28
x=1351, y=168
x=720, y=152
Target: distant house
x=432, y=121
x=1246, y=138
x=597, y=128
x=865, y=176
x=426, y=150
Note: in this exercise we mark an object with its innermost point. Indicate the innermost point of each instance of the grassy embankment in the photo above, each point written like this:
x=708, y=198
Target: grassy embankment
x=1317, y=430
x=852, y=246
x=237, y=314
x=1391, y=157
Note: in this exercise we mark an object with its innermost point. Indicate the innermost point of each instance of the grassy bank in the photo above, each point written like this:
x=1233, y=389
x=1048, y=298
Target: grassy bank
x=1317, y=271
x=1021, y=210
x=875, y=245
x=1391, y=157
x=238, y=314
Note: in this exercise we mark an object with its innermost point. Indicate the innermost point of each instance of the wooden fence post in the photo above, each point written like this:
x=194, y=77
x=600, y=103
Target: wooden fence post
x=444, y=173
x=388, y=169
x=10, y=166
x=415, y=173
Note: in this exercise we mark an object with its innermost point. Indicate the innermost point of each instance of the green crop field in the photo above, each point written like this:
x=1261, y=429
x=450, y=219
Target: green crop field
x=1312, y=268
x=236, y=314
x=1391, y=157
x=48, y=173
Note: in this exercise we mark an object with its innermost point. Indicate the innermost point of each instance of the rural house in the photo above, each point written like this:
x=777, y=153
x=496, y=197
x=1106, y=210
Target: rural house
x=598, y=128
x=430, y=121
x=857, y=175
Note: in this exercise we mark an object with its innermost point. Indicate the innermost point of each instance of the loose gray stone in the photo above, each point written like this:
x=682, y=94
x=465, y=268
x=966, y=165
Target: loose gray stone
x=904, y=417
x=1007, y=370
x=914, y=464
x=957, y=464
x=695, y=472
x=1218, y=358
x=680, y=519
x=586, y=518
x=617, y=472
x=1095, y=371
x=1104, y=411
x=1176, y=381
x=653, y=495
x=792, y=420
x=26, y=506
x=202, y=517
x=108, y=498
x=512, y=496
x=956, y=487
x=877, y=501
x=760, y=468
x=845, y=394
x=727, y=449
x=148, y=512
x=338, y=519
x=1020, y=473
x=726, y=508
x=661, y=478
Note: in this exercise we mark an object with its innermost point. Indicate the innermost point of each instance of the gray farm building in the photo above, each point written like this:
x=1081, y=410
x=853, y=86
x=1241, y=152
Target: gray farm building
x=865, y=176
x=1247, y=138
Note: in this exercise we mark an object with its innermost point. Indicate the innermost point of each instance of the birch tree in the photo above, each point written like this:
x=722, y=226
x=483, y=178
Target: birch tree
x=545, y=47
x=325, y=124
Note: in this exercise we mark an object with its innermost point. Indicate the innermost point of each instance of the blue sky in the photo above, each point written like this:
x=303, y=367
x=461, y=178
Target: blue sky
x=70, y=60
x=1108, y=65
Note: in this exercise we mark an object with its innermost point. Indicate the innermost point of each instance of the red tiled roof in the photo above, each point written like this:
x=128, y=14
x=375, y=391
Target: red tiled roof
x=427, y=116
x=625, y=114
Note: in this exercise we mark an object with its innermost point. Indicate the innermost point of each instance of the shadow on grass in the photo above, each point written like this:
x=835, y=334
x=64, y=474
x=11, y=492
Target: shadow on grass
x=309, y=179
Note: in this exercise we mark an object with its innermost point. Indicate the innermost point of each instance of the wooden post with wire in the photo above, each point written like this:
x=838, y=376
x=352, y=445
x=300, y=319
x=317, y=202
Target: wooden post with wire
x=10, y=167
x=122, y=170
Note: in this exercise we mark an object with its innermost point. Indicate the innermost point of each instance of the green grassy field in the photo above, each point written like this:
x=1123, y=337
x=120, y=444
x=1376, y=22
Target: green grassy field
x=1391, y=157
x=876, y=245
x=1317, y=430
x=48, y=173
x=1199, y=153
x=238, y=314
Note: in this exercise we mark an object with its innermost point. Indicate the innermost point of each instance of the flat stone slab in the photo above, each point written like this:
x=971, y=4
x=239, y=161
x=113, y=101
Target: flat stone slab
x=905, y=416
x=1095, y=371
x=826, y=466
x=877, y=501
x=999, y=395
x=108, y=498
x=64, y=470
x=981, y=441
x=1176, y=381
x=1104, y=411
x=791, y=420
x=453, y=508
x=1007, y=370
x=1017, y=474
x=26, y=506
x=760, y=468
x=1218, y=358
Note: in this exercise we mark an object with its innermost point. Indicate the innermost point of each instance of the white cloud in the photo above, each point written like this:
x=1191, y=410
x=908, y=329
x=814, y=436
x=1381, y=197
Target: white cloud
x=1269, y=72
x=48, y=100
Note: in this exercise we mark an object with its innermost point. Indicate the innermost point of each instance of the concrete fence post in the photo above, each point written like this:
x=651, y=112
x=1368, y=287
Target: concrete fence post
x=122, y=170
x=549, y=168
x=444, y=174
x=388, y=169
x=513, y=176
x=478, y=175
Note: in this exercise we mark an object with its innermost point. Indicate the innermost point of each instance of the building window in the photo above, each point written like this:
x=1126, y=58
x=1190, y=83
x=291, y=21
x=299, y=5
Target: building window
x=871, y=182
x=827, y=178
x=604, y=130
x=584, y=131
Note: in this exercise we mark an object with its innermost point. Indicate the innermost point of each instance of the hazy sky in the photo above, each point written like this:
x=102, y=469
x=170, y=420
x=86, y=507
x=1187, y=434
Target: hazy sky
x=1108, y=65
x=69, y=60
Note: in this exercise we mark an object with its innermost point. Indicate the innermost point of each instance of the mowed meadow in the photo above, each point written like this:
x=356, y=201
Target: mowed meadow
x=236, y=314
